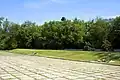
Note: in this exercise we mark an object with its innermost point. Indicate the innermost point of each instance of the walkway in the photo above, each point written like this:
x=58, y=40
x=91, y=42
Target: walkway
x=23, y=67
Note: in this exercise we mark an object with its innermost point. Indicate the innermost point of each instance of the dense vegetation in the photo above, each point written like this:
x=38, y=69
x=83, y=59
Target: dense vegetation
x=73, y=34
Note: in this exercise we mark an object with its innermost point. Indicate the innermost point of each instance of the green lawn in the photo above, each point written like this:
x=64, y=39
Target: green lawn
x=64, y=54
x=3, y=52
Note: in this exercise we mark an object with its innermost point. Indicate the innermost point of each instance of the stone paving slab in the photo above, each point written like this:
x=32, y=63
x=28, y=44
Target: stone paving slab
x=23, y=67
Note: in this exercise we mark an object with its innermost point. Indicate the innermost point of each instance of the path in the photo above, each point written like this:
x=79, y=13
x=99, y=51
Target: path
x=23, y=67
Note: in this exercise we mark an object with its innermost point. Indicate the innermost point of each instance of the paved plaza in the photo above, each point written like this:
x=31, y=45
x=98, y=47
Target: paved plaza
x=23, y=67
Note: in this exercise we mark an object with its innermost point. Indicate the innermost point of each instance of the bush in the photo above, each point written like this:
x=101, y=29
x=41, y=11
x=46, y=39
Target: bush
x=107, y=57
x=92, y=49
x=88, y=47
x=106, y=46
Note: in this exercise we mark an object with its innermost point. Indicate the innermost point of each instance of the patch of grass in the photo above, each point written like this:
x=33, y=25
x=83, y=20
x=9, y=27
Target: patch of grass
x=72, y=55
x=3, y=52
x=64, y=54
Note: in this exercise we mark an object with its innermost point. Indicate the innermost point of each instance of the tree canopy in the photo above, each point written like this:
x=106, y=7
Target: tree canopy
x=73, y=34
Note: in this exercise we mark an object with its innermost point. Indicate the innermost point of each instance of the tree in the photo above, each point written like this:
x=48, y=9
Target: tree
x=63, y=19
x=97, y=32
x=100, y=33
x=114, y=35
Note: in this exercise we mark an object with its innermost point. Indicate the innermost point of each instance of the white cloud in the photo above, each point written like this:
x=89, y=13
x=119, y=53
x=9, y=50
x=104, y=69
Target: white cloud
x=110, y=16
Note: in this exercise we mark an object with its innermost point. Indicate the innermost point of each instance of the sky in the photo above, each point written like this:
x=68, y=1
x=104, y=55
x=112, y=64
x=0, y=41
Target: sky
x=40, y=11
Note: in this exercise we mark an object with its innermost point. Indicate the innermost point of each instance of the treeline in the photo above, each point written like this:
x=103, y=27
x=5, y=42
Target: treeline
x=71, y=34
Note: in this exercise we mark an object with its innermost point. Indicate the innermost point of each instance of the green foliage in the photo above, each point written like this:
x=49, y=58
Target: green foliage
x=63, y=19
x=106, y=45
x=97, y=32
x=70, y=34
x=107, y=57
x=114, y=35
x=88, y=47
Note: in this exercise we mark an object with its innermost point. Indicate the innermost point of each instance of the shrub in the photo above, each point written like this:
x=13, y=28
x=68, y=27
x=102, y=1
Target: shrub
x=110, y=56
x=106, y=46
x=88, y=47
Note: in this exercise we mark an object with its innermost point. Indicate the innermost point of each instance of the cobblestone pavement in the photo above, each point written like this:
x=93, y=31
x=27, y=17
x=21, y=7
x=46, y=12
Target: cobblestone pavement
x=23, y=67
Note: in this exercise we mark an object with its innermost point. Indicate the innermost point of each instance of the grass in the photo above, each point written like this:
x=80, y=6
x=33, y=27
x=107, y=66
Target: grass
x=3, y=53
x=64, y=54
x=73, y=55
